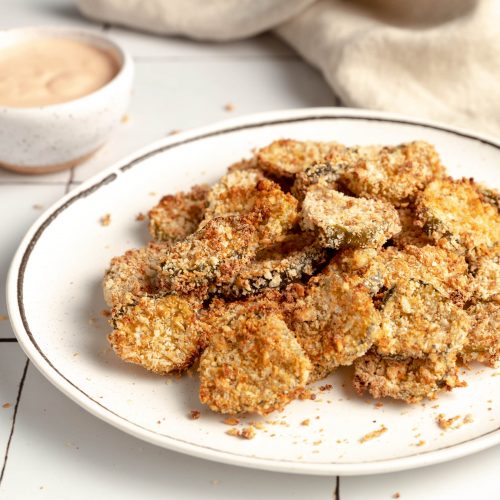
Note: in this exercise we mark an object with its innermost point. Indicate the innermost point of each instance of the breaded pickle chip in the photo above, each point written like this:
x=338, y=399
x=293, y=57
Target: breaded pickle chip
x=160, y=333
x=178, y=215
x=395, y=174
x=417, y=321
x=443, y=269
x=318, y=173
x=133, y=274
x=252, y=362
x=213, y=254
x=343, y=221
x=454, y=215
x=334, y=321
x=292, y=259
x=271, y=211
x=274, y=213
x=234, y=193
x=483, y=341
x=408, y=379
x=287, y=157
x=411, y=232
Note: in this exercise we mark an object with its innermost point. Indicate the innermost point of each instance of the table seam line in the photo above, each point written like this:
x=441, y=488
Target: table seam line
x=14, y=417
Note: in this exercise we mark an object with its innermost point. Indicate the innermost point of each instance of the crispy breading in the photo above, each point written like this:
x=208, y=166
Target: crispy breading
x=287, y=157
x=343, y=221
x=393, y=173
x=178, y=215
x=362, y=265
x=234, y=193
x=162, y=334
x=411, y=233
x=483, y=341
x=417, y=321
x=243, y=164
x=213, y=254
x=274, y=213
x=408, y=379
x=327, y=174
x=485, y=276
x=133, y=274
x=333, y=319
x=443, y=269
x=454, y=215
x=292, y=259
x=252, y=362
x=489, y=195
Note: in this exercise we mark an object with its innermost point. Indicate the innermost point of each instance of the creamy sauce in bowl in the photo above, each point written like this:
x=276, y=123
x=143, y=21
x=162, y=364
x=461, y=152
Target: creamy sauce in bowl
x=52, y=70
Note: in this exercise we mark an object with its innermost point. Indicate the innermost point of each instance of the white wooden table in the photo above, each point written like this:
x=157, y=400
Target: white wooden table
x=49, y=447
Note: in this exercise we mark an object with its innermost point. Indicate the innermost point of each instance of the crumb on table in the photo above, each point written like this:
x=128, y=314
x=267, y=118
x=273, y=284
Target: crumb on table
x=3, y=317
x=6, y=405
x=229, y=107
x=105, y=220
x=194, y=414
x=140, y=217
x=305, y=422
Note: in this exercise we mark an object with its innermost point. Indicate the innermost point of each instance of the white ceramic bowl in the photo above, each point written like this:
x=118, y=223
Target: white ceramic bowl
x=59, y=136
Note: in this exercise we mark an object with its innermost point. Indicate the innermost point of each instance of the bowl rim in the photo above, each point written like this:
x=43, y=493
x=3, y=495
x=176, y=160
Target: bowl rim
x=91, y=36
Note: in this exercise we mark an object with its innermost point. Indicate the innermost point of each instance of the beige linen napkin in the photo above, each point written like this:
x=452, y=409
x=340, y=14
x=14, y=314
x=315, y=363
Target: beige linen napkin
x=438, y=59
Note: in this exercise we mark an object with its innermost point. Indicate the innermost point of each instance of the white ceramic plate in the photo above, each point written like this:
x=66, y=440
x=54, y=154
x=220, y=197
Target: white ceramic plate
x=55, y=300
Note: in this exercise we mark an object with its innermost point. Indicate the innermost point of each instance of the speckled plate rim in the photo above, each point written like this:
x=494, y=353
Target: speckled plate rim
x=27, y=338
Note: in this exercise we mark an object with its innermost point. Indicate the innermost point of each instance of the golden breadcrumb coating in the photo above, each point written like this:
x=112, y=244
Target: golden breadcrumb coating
x=417, y=321
x=243, y=164
x=454, y=215
x=444, y=270
x=133, y=274
x=178, y=215
x=334, y=320
x=292, y=259
x=162, y=334
x=393, y=173
x=234, y=193
x=483, y=341
x=411, y=232
x=328, y=174
x=213, y=254
x=287, y=157
x=274, y=213
x=343, y=221
x=408, y=379
x=252, y=362
x=485, y=276
x=489, y=195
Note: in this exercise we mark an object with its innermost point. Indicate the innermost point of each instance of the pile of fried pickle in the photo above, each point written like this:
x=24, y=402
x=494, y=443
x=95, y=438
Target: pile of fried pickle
x=309, y=256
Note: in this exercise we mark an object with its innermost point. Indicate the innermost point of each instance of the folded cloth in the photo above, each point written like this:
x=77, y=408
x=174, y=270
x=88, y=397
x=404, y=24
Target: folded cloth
x=435, y=59
x=199, y=19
